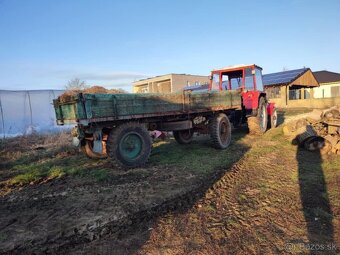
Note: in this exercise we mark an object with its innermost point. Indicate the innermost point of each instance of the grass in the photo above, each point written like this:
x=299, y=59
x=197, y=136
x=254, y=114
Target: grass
x=293, y=111
x=50, y=165
x=27, y=165
x=198, y=157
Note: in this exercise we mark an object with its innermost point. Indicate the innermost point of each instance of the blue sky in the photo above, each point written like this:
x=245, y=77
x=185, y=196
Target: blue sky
x=45, y=43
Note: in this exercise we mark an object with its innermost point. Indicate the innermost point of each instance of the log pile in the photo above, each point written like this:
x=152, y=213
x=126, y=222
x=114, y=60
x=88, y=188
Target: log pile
x=317, y=130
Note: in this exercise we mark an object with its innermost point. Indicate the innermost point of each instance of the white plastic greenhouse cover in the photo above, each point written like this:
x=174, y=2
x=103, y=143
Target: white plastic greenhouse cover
x=25, y=111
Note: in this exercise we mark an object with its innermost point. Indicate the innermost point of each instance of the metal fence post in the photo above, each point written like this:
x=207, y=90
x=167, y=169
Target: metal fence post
x=2, y=118
x=29, y=102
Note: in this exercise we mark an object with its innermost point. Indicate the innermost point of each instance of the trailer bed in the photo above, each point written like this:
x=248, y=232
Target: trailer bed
x=88, y=108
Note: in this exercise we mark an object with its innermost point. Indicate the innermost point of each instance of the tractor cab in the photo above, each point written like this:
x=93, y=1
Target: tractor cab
x=243, y=77
x=248, y=80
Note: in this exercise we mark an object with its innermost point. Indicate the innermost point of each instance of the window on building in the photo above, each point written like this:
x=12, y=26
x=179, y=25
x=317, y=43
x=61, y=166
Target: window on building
x=273, y=92
x=144, y=90
x=335, y=91
x=294, y=94
x=307, y=94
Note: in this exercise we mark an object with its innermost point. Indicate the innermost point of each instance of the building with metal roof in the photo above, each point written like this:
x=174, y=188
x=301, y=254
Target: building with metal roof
x=329, y=84
x=286, y=86
x=168, y=83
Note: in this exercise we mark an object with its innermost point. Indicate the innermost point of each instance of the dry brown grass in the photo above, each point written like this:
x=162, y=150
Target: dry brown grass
x=68, y=94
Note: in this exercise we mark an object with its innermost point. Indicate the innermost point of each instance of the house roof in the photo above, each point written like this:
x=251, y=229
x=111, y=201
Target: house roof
x=197, y=87
x=283, y=77
x=326, y=76
x=167, y=75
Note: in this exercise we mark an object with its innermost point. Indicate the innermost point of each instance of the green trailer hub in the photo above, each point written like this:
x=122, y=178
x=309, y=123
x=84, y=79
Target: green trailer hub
x=130, y=146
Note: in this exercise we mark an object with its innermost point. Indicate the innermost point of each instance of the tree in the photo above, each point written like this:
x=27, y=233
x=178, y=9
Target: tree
x=76, y=84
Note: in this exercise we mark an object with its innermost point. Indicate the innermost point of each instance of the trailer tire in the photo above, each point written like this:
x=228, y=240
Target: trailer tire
x=129, y=145
x=183, y=136
x=220, y=131
x=258, y=125
x=87, y=148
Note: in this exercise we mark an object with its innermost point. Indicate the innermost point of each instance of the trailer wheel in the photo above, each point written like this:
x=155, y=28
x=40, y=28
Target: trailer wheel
x=258, y=125
x=183, y=136
x=129, y=145
x=272, y=123
x=87, y=148
x=220, y=131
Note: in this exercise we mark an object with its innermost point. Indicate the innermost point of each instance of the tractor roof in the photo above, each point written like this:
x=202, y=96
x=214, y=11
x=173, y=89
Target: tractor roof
x=235, y=67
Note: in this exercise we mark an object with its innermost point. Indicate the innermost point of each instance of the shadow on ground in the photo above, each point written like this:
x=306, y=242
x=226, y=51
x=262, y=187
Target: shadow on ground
x=314, y=199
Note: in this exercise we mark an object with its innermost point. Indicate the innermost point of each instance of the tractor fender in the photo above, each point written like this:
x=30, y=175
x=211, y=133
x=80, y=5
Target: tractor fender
x=270, y=108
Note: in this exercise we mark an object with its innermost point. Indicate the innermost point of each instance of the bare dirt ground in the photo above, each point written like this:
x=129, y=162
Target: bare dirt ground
x=261, y=196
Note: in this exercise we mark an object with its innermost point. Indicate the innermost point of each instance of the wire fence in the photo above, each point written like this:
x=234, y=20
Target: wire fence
x=27, y=111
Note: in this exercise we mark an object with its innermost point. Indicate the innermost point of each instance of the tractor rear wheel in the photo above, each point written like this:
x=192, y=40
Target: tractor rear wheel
x=258, y=125
x=129, y=145
x=183, y=136
x=220, y=131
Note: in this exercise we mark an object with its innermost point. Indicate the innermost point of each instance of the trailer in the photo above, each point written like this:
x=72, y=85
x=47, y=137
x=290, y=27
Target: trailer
x=117, y=125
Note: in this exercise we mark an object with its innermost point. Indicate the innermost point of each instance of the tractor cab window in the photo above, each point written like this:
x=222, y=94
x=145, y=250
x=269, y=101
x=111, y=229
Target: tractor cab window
x=236, y=83
x=215, y=81
x=235, y=79
x=249, y=80
x=259, y=82
x=225, y=82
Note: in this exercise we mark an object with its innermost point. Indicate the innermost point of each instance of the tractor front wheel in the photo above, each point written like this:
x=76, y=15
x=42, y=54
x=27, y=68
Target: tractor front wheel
x=129, y=145
x=220, y=131
x=258, y=125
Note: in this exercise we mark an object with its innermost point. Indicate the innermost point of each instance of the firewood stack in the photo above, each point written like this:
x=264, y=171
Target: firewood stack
x=318, y=130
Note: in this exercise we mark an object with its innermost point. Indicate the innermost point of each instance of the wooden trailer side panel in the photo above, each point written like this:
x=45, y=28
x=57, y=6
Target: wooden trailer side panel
x=94, y=107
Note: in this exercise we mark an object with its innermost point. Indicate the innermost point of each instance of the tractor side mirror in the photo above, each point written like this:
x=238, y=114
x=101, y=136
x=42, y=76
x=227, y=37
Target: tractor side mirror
x=253, y=72
x=210, y=77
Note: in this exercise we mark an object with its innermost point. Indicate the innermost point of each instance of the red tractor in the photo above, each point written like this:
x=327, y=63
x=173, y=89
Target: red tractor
x=256, y=110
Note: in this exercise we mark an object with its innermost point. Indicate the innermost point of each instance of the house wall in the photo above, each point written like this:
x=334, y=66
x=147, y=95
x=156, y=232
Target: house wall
x=159, y=84
x=284, y=102
x=168, y=83
x=325, y=89
x=179, y=81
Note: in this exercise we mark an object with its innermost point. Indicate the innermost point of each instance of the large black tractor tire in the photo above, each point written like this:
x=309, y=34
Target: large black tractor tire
x=129, y=145
x=87, y=148
x=272, y=123
x=220, y=131
x=258, y=125
x=183, y=136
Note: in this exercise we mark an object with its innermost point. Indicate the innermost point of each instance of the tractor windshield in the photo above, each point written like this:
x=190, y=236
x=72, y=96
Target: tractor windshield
x=232, y=80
